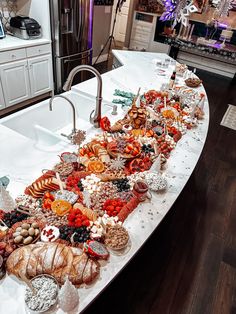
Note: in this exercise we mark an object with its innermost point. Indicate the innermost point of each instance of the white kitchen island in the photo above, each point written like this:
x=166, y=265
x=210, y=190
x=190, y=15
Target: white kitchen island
x=24, y=155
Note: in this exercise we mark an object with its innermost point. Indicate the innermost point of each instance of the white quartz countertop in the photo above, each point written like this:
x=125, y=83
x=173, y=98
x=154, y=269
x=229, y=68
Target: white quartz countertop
x=138, y=70
x=11, y=42
x=22, y=161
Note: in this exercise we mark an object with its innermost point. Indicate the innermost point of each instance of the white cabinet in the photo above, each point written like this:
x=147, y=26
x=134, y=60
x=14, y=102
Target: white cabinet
x=142, y=31
x=25, y=73
x=15, y=82
x=40, y=73
x=2, y=100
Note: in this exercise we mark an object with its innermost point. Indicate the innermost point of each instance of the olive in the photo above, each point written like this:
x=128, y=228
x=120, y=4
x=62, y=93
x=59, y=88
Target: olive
x=24, y=233
x=25, y=226
x=16, y=234
x=35, y=225
x=28, y=240
x=31, y=231
x=36, y=232
x=18, y=239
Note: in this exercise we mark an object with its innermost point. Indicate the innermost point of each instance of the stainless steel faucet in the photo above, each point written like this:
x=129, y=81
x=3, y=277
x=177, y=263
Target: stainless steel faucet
x=69, y=137
x=95, y=119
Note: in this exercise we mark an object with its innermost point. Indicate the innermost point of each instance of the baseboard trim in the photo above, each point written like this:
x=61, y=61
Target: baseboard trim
x=27, y=103
x=102, y=58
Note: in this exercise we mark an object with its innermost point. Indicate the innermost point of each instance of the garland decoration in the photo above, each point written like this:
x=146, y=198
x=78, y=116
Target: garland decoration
x=178, y=10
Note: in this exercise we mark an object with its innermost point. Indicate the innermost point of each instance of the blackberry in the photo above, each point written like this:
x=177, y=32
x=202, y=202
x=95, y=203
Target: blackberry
x=148, y=149
x=122, y=184
x=11, y=218
x=154, y=123
x=80, y=234
x=80, y=186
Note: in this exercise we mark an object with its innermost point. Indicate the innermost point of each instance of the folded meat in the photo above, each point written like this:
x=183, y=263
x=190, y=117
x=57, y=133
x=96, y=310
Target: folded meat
x=54, y=259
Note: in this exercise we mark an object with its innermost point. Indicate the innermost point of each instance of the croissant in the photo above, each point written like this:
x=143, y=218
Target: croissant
x=54, y=259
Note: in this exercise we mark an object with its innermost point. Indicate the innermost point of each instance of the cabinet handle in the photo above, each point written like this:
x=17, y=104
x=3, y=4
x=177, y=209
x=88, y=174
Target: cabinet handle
x=39, y=50
x=13, y=56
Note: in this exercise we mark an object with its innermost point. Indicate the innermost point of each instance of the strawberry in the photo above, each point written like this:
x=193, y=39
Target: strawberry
x=86, y=223
x=110, y=208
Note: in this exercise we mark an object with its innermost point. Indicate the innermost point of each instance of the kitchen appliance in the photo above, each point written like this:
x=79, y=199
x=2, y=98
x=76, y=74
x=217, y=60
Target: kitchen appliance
x=72, y=25
x=25, y=27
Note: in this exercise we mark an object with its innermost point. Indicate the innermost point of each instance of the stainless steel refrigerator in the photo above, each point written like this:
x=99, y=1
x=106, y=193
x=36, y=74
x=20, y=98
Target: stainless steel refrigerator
x=72, y=26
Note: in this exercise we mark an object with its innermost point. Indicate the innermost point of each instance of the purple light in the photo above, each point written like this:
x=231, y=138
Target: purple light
x=169, y=14
x=217, y=45
x=90, y=30
x=222, y=25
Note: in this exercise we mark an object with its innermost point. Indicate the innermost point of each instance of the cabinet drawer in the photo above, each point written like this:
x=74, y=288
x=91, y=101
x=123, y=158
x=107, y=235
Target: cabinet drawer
x=136, y=45
x=38, y=50
x=143, y=28
x=141, y=38
x=12, y=55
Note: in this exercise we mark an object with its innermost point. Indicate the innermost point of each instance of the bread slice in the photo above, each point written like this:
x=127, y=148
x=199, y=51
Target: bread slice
x=49, y=257
x=61, y=263
x=66, y=270
x=87, y=272
x=79, y=268
x=33, y=260
x=41, y=256
x=18, y=260
x=95, y=270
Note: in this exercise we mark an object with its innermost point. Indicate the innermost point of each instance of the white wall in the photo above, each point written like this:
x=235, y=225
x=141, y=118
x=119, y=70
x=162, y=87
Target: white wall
x=39, y=10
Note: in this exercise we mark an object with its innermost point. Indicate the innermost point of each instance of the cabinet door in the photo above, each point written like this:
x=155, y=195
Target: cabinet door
x=40, y=71
x=15, y=82
x=2, y=100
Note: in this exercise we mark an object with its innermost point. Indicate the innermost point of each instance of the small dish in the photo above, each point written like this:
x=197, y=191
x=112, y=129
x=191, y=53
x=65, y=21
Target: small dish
x=115, y=234
x=193, y=82
x=120, y=252
x=54, y=301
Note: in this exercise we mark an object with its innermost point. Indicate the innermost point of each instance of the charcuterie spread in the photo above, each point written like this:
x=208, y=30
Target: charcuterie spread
x=72, y=217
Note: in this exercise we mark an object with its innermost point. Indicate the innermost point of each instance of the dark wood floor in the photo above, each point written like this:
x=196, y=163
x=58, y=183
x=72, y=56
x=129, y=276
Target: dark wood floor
x=189, y=263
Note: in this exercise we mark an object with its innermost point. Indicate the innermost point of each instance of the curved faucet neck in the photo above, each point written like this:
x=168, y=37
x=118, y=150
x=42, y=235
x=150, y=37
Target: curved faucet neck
x=72, y=106
x=79, y=68
x=95, y=120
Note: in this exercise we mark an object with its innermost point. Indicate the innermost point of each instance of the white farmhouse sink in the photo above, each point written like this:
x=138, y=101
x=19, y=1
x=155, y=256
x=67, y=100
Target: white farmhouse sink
x=45, y=127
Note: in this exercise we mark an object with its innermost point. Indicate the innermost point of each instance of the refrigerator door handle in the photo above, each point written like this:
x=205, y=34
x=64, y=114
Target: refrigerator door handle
x=72, y=60
x=77, y=17
x=80, y=19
